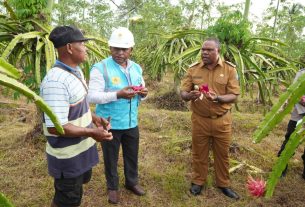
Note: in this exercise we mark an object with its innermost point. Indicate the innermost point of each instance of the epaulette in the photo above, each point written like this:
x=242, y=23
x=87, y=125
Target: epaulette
x=193, y=64
x=231, y=64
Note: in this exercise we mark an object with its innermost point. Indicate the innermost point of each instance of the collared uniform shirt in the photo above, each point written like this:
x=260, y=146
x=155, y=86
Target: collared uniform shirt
x=222, y=80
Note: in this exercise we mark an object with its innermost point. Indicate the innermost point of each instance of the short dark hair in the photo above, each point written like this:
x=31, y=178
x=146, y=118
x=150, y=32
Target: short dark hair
x=214, y=39
x=62, y=35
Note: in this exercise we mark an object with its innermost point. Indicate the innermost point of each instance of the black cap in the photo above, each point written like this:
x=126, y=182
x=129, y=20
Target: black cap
x=62, y=35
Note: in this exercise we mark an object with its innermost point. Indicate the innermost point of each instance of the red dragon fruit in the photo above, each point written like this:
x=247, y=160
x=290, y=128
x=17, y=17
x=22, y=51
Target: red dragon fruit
x=256, y=187
x=204, y=88
x=137, y=88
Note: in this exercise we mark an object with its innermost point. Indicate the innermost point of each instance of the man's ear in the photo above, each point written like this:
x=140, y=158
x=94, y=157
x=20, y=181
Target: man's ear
x=69, y=48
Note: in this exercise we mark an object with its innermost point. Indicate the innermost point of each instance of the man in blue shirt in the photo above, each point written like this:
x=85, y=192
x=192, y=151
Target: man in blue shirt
x=112, y=88
x=71, y=155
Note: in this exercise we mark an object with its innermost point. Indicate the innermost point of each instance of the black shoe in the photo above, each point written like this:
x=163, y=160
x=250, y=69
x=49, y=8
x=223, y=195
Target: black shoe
x=195, y=189
x=229, y=192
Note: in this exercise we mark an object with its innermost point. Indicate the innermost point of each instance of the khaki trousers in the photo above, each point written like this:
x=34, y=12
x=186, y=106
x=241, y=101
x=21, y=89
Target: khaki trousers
x=217, y=132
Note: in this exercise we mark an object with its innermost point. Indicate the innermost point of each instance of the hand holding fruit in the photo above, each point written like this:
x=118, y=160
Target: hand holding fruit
x=142, y=91
x=193, y=95
x=211, y=96
x=126, y=93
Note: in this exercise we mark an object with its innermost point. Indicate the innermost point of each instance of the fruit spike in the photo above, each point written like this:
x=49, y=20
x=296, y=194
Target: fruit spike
x=204, y=88
x=137, y=88
x=256, y=187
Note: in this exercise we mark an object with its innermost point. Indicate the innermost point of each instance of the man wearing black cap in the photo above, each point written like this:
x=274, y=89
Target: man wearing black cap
x=72, y=155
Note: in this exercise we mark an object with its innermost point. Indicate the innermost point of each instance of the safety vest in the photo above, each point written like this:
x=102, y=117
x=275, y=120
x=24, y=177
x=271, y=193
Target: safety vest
x=123, y=112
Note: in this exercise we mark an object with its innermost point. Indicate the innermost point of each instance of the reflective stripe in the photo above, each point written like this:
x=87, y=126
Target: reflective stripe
x=83, y=121
x=70, y=151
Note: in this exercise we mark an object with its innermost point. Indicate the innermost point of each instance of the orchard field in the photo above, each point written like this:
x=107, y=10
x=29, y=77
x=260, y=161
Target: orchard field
x=267, y=50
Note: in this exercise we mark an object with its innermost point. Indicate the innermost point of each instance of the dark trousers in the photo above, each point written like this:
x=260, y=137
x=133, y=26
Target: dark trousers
x=69, y=191
x=290, y=129
x=129, y=139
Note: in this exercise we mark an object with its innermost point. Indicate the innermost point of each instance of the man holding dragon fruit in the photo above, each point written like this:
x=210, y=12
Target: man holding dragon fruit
x=117, y=87
x=211, y=86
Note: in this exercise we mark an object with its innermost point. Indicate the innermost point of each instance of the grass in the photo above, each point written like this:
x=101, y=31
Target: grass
x=164, y=163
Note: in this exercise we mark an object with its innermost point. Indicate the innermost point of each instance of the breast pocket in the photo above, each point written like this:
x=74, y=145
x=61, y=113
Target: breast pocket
x=197, y=80
x=221, y=84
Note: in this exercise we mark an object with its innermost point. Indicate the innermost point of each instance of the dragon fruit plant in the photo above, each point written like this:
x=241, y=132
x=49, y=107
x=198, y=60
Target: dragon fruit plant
x=256, y=187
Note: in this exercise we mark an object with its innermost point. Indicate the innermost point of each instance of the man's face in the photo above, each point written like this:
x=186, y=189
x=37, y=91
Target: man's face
x=209, y=52
x=78, y=51
x=120, y=55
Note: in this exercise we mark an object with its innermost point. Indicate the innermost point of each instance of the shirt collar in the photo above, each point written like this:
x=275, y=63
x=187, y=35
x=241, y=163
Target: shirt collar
x=66, y=66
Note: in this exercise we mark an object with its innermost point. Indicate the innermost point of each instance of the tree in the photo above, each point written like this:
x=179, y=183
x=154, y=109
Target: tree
x=289, y=27
x=94, y=17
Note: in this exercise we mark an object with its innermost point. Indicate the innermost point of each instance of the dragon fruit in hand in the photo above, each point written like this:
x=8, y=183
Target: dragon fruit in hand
x=256, y=187
x=137, y=88
x=204, y=88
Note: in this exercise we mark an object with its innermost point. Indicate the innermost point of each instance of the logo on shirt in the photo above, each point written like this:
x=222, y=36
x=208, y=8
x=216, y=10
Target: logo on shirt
x=115, y=80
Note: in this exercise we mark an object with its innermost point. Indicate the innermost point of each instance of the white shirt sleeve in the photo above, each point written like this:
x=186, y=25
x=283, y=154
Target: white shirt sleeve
x=96, y=92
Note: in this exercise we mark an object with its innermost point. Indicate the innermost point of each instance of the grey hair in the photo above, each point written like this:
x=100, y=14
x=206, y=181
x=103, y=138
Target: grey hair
x=214, y=39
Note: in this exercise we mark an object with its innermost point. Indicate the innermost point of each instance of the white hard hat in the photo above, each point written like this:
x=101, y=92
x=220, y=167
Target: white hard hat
x=122, y=38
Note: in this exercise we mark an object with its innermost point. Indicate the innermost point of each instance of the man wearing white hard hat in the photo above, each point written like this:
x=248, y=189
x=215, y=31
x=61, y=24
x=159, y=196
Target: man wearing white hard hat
x=116, y=86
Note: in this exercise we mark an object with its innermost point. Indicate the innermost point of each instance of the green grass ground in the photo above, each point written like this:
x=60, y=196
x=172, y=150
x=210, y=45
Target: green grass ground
x=164, y=162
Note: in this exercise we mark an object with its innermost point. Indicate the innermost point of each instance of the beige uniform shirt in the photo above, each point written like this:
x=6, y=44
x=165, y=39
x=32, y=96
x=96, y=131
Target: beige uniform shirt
x=221, y=80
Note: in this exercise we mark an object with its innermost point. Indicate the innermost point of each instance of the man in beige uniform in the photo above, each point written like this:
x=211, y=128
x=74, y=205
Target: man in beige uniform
x=211, y=117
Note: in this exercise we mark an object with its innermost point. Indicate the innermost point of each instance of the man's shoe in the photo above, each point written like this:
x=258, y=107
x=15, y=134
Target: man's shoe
x=138, y=190
x=229, y=192
x=113, y=196
x=195, y=189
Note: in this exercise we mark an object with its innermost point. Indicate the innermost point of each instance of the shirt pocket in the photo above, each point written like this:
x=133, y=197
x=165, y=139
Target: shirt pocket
x=221, y=84
x=197, y=80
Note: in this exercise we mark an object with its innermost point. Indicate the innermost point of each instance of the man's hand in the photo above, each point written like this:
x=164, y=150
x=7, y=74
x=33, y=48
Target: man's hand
x=211, y=96
x=106, y=123
x=126, y=93
x=96, y=120
x=100, y=134
x=192, y=95
x=143, y=92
